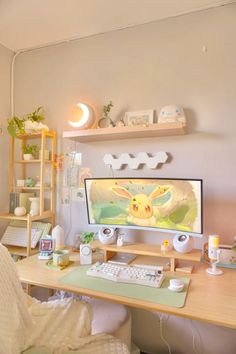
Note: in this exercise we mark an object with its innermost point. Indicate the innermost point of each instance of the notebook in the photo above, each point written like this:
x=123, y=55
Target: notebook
x=39, y=225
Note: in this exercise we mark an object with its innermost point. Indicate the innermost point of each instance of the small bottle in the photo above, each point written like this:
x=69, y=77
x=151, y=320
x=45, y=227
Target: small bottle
x=58, y=237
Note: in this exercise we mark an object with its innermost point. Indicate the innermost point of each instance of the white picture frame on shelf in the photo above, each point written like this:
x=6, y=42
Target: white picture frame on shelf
x=143, y=118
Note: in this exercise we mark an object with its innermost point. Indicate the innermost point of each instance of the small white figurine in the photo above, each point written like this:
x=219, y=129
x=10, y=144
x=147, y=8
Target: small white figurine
x=120, y=241
x=172, y=114
x=120, y=123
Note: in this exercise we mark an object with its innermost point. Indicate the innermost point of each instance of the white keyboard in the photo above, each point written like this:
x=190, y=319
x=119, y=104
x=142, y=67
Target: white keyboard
x=127, y=274
x=17, y=236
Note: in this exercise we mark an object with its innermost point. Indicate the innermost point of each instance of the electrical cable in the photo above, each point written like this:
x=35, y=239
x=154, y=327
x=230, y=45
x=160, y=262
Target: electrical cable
x=193, y=329
x=112, y=171
x=161, y=334
x=70, y=194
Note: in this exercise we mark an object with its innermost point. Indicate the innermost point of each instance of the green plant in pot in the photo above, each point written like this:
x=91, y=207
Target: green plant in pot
x=86, y=237
x=30, y=152
x=106, y=121
x=36, y=116
x=17, y=126
x=85, y=247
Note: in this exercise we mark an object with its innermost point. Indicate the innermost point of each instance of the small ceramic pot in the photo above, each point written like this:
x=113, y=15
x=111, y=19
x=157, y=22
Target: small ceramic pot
x=28, y=157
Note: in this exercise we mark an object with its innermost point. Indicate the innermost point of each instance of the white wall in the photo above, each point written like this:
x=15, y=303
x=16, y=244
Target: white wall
x=147, y=67
x=5, y=62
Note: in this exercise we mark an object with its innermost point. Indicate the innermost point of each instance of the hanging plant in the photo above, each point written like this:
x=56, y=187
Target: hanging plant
x=16, y=125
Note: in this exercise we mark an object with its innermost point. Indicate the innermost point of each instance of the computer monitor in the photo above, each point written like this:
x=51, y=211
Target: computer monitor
x=159, y=204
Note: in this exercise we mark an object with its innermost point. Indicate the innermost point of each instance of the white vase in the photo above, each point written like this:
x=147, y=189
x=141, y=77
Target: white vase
x=58, y=237
x=34, y=207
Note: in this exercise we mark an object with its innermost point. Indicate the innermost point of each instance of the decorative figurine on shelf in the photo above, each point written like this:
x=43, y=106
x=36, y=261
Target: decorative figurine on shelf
x=106, y=121
x=29, y=182
x=34, y=207
x=120, y=123
x=166, y=246
x=172, y=114
x=120, y=240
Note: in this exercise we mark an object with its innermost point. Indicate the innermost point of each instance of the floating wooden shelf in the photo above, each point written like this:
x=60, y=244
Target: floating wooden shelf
x=128, y=132
x=147, y=250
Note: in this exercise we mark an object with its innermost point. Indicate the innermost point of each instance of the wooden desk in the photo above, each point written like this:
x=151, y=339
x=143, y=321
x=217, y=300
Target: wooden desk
x=210, y=298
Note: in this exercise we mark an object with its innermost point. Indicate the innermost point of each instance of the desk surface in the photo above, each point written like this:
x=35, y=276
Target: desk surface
x=210, y=298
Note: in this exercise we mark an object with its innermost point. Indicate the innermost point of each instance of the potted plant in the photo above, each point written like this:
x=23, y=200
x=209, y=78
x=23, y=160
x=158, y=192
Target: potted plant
x=29, y=151
x=86, y=237
x=17, y=126
x=36, y=116
x=85, y=247
x=106, y=121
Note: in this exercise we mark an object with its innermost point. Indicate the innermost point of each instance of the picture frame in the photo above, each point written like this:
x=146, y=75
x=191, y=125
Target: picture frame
x=46, y=245
x=143, y=118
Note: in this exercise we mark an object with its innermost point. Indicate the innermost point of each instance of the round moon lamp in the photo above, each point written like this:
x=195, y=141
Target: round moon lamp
x=85, y=119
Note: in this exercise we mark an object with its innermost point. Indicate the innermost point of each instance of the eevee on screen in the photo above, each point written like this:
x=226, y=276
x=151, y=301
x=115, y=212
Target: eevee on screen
x=140, y=208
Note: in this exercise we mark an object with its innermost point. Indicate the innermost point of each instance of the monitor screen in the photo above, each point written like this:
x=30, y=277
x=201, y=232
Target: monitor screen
x=171, y=205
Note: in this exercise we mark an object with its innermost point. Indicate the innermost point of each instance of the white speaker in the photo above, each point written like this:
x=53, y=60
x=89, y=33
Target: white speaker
x=183, y=243
x=85, y=254
x=107, y=235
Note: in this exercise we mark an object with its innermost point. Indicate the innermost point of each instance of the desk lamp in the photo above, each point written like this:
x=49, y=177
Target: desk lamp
x=214, y=255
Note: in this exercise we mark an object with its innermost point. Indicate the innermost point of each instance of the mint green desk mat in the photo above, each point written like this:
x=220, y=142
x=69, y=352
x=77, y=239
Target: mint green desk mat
x=162, y=296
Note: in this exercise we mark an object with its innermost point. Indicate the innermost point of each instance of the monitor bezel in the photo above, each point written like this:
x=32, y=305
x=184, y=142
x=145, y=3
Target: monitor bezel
x=148, y=228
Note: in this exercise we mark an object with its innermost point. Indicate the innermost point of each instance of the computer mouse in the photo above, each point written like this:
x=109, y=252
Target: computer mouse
x=176, y=285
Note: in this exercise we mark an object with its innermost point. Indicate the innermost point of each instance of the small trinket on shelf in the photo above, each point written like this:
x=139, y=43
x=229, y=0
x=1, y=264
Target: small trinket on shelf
x=166, y=246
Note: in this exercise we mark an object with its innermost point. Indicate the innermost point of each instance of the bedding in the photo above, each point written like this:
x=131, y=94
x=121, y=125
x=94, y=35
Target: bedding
x=59, y=326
